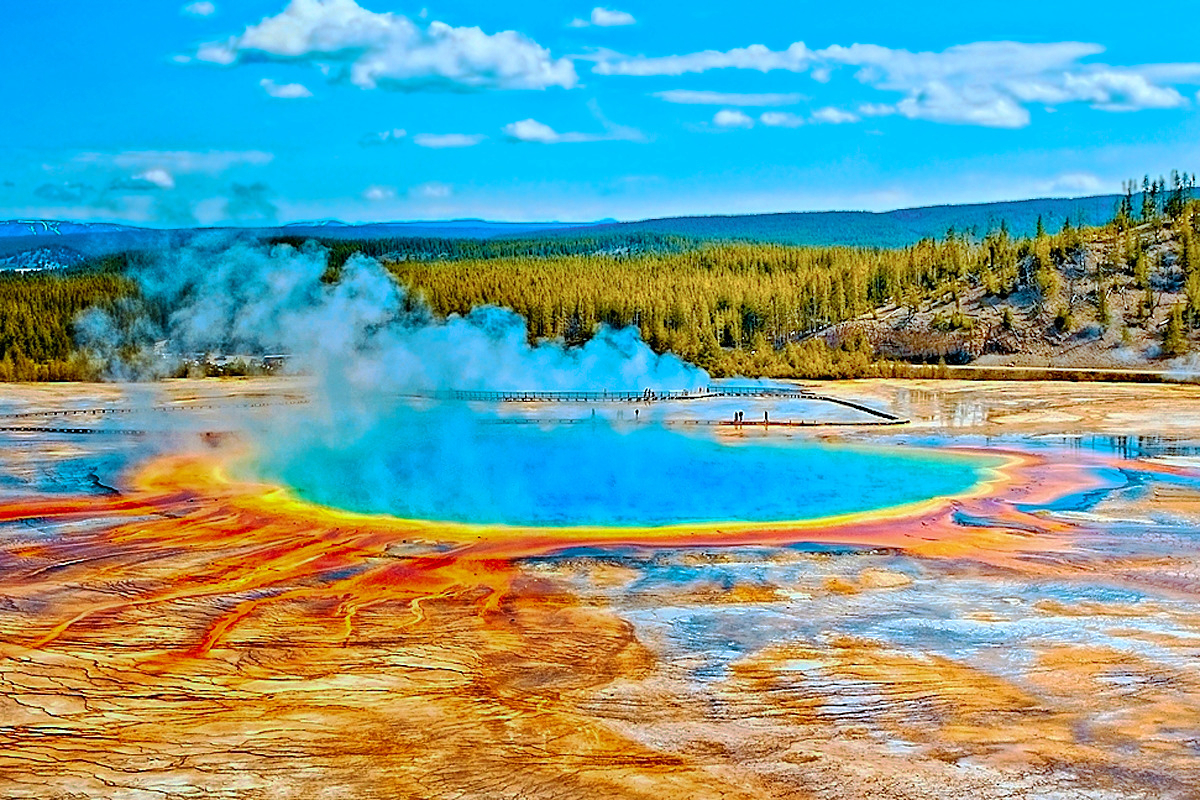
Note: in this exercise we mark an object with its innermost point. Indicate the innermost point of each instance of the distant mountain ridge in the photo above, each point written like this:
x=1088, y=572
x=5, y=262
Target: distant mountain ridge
x=885, y=229
x=50, y=227
x=456, y=228
x=882, y=229
x=42, y=258
x=97, y=239
x=450, y=229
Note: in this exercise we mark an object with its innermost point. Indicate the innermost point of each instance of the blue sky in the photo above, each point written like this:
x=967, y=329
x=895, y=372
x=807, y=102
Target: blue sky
x=255, y=111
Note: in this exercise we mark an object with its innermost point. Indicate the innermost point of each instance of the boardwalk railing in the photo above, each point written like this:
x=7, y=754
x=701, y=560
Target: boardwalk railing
x=650, y=396
x=647, y=396
x=461, y=395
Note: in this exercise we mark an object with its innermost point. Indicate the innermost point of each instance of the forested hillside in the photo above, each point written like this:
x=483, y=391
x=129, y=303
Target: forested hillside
x=730, y=308
x=1114, y=293
x=39, y=314
x=1124, y=292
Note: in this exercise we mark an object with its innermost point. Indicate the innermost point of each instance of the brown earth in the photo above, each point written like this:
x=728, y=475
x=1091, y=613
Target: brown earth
x=705, y=672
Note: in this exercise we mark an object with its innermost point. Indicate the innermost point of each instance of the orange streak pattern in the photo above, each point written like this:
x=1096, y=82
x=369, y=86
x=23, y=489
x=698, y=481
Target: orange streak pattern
x=248, y=546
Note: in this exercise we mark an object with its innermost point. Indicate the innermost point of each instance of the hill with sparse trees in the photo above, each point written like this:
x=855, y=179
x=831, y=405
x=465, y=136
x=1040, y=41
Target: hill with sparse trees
x=1116, y=295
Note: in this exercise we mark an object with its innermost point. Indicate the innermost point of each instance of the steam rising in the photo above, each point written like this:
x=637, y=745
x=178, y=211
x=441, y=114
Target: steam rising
x=365, y=333
x=373, y=441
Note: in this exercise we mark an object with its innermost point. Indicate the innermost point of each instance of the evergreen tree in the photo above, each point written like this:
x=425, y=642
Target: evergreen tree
x=1124, y=217
x=1174, y=342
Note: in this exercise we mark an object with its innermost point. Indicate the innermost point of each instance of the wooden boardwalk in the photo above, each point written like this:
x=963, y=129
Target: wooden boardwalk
x=879, y=417
x=648, y=396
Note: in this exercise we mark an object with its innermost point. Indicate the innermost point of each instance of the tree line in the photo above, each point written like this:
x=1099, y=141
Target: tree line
x=734, y=308
x=40, y=313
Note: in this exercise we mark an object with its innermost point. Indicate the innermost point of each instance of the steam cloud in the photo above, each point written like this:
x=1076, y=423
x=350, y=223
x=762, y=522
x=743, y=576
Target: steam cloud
x=363, y=333
x=373, y=349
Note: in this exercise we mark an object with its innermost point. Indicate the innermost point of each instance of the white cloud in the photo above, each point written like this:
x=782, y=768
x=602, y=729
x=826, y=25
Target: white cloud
x=605, y=18
x=211, y=52
x=444, y=140
x=971, y=105
x=1115, y=90
x=781, y=119
x=876, y=110
x=151, y=180
x=701, y=98
x=982, y=83
x=379, y=194
x=796, y=58
x=177, y=161
x=608, y=18
x=158, y=186
x=1074, y=184
x=157, y=178
x=385, y=50
x=530, y=130
x=200, y=9
x=833, y=116
x=989, y=83
x=431, y=191
x=383, y=137
x=977, y=62
x=732, y=118
x=284, y=91
x=1179, y=72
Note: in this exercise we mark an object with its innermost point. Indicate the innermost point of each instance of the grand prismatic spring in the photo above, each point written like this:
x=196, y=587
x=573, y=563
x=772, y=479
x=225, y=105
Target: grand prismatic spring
x=998, y=600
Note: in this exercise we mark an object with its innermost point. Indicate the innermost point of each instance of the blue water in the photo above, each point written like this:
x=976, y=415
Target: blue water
x=456, y=467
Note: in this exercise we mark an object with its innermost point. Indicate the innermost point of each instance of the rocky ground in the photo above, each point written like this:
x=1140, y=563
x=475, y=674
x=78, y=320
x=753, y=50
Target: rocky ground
x=1022, y=329
x=193, y=638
